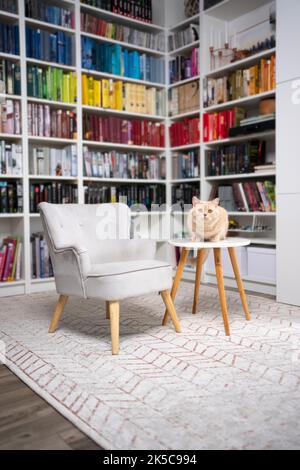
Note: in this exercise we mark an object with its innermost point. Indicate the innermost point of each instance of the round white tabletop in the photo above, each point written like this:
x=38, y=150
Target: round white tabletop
x=228, y=243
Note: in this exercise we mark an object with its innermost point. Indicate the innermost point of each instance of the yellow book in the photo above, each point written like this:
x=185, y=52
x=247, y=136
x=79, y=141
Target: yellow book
x=105, y=94
x=112, y=95
x=119, y=95
x=73, y=87
x=90, y=91
x=134, y=98
x=84, y=89
x=127, y=97
x=97, y=93
x=143, y=104
x=66, y=88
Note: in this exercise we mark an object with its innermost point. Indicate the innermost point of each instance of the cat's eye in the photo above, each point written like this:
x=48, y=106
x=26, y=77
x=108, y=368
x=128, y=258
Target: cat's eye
x=210, y=211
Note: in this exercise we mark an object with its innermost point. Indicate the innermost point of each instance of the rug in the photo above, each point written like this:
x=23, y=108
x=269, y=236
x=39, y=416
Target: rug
x=195, y=390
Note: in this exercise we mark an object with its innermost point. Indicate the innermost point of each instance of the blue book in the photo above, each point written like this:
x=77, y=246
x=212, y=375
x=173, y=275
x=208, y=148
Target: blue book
x=53, y=47
x=136, y=65
x=126, y=62
x=116, y=59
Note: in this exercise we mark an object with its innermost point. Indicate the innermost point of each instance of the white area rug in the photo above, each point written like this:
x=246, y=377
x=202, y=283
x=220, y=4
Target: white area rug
x=197, y=390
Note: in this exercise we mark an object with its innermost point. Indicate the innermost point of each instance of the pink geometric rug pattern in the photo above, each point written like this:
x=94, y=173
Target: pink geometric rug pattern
x=195, y=390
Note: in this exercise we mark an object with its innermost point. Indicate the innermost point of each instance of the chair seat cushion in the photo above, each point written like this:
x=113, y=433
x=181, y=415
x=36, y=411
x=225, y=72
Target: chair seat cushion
x=118, y=281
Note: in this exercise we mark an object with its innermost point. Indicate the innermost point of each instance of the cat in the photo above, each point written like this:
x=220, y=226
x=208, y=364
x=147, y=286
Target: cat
x=207, y=221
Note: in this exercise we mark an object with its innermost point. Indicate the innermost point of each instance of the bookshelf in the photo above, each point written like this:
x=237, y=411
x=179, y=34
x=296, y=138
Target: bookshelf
x=168, y=18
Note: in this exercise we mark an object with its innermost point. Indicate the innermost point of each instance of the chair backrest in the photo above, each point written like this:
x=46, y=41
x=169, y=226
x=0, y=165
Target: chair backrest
x=86, y=226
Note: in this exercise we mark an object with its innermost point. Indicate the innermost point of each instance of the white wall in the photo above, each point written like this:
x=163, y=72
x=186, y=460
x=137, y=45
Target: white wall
x=288, y=152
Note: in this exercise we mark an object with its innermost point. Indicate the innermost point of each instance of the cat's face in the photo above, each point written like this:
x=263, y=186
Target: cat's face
x=206, y=210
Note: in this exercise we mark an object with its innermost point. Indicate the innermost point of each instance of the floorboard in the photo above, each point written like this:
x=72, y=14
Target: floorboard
x=27, y=422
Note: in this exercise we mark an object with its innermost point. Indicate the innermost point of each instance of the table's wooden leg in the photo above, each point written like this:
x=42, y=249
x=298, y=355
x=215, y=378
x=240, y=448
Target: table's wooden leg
x=219, y=273
x=236, y=269
x=180, y=269
x=200, y=260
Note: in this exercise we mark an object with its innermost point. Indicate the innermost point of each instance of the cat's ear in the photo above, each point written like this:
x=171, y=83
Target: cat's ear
x=196, y=201
x=216, y=202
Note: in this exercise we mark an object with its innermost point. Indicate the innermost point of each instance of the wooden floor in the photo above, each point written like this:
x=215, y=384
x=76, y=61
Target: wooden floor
x=27, y=422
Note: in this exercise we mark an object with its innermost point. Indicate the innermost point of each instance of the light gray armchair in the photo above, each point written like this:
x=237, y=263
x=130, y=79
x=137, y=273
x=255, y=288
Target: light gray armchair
x=93, y=257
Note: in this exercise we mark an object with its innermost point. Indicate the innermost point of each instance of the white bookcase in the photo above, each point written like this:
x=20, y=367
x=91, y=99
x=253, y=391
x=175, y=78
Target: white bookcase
x=236, y=15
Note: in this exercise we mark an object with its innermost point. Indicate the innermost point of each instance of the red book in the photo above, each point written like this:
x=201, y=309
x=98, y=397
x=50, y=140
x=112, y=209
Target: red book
x=3, y=255
x=205, y=127
x=8, y=262
x=223, y=125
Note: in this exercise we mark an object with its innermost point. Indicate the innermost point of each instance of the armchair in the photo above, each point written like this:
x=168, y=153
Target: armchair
x=93, y=257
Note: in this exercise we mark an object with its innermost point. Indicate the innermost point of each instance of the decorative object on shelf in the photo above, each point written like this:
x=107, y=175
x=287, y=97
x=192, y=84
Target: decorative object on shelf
x=207, y=221
x=191, y=8
x=267, y=107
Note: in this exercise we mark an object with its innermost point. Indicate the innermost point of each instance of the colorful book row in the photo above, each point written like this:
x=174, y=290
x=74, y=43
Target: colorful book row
x=11, y=259
x=11, y=197
x=46, y=122
x=54, y=193
x=53, y=161
x=11, y=159
x=185, y=132
x=51, y=83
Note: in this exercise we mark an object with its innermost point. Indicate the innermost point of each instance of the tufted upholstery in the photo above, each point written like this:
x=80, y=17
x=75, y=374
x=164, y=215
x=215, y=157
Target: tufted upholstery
x=92, y=254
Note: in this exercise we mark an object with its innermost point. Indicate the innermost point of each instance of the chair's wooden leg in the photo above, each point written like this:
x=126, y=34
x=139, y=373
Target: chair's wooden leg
x=200, y=260
x=171, y=309
x=180, y=269
x=57, y=313
x=236, y=269
x=114, y=314
x=219, y=273
x=107, y=311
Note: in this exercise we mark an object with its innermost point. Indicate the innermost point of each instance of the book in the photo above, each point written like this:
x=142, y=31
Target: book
x=46, y=122
x=51, y=83
x=248, y=196
x=50, y=47
x=51, y=161
x=185, y=132
x=11, y=6
x=132, y=195
x=10, y=117
x=117, y=95
x=11, y=158
x=184, y=98
x=241, y=83
x=123, y=165
x=182, y=194
x=184, y=37
x=236, y=159
x=41, y=265
x=184, y=67
x=10, y=259
x=139, y=10
x=49, y=13
x=53, y=192
x=216, y=125
x=10, y=75
x=117, y=60
x=11, y=197
x=9, y=38
x=123, y=131
x=119, y=32
x=186, y=165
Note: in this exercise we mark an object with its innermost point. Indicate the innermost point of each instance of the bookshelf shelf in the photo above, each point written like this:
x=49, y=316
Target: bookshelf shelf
x=186, y=48
x=114, y=17
x=12, y=284
x=185, y=147
x=54, y=104
x=252, y=214
x=243, y=138
x=42, y=280
x=10, y=97
x=115, y=112
x=242, y=176
x=52, y=178
x=112, y=145
x=184, y=82
x=241, y=63
x=96, y=73
x=184, y=23
x=233, y=9
x=44, y=63
x=247, y=101
x=51, y=140
x=11, y=216
x=185, y=180
x=126, y=45
x=49, y=26
x=185, y=115
x=11, y=136
x=123, y=180
x=11, y=177
x=11, y=17
x=12, y=57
